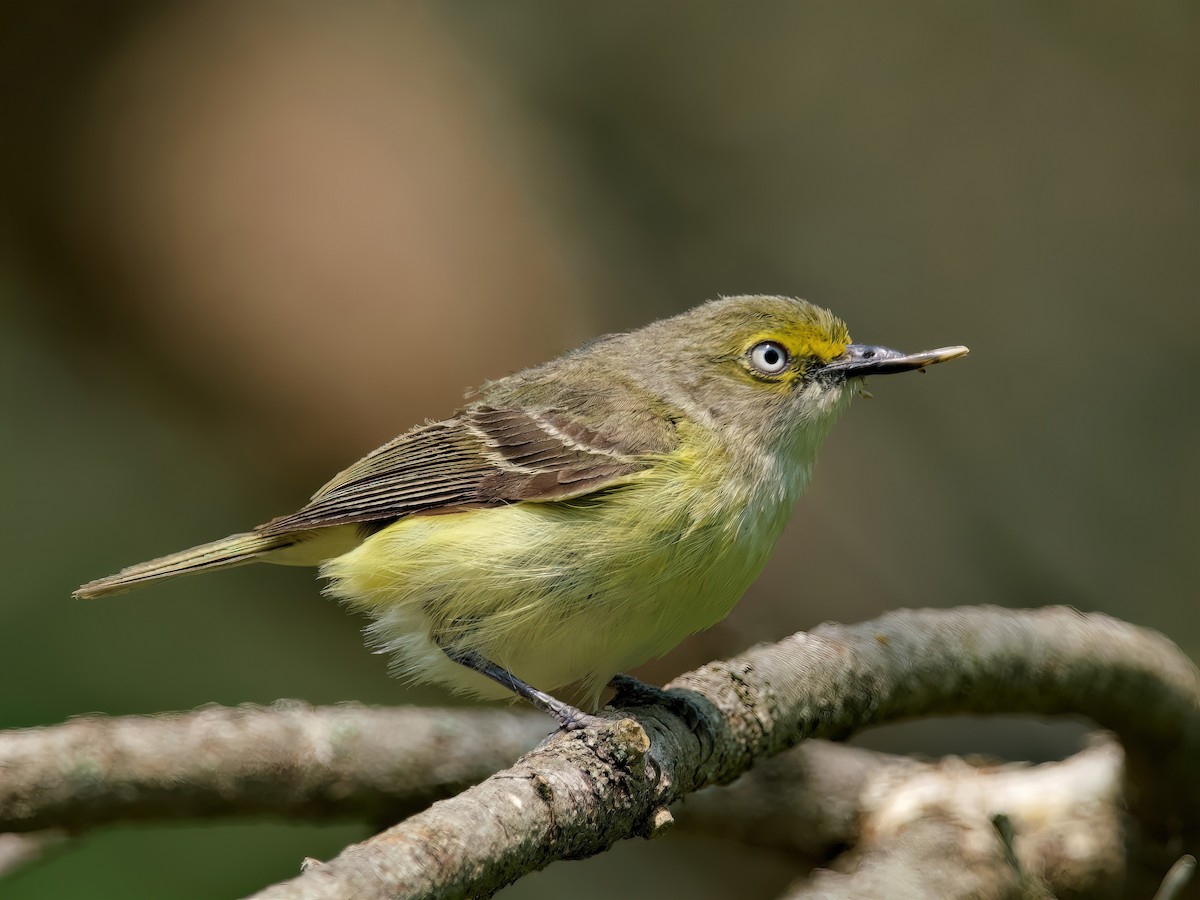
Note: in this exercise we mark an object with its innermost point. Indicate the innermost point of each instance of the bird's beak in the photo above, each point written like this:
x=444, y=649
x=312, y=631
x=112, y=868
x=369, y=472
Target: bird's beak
x=861, y=360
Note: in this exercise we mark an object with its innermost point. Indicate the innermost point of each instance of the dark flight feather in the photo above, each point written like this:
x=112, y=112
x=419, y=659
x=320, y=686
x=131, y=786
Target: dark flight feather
x=485, y=456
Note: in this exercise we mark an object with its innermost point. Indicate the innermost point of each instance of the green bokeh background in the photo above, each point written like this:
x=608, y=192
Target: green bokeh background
x=242, y=244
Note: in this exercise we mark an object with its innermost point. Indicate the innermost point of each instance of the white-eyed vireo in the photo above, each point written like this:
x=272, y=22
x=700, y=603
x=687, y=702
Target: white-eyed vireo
x=580, y=517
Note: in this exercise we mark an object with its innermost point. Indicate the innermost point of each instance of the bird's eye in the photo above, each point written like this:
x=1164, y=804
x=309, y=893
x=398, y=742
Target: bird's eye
x=769, y=358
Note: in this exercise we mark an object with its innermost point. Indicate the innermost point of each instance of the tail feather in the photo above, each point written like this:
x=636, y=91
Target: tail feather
x=235, y=550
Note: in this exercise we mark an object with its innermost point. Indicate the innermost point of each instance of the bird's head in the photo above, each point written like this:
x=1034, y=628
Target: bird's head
x=773, y=369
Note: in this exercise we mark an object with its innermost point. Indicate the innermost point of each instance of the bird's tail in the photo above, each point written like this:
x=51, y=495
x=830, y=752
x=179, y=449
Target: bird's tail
x=235, y=550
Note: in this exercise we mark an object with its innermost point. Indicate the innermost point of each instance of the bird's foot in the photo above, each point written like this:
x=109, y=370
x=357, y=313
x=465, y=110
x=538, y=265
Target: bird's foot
x=572, y=718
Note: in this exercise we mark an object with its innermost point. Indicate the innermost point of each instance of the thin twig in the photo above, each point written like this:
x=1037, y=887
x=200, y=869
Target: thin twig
x=17, y=851
x=1178, y=877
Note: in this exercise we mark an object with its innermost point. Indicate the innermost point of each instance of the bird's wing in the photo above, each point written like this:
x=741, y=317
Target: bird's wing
x=485, y=456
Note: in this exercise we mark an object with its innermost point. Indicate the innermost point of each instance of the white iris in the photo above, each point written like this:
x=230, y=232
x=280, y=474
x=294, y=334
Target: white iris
x=769, y=357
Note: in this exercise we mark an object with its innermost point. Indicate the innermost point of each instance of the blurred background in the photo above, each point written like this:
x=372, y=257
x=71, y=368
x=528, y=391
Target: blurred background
x=243, y=244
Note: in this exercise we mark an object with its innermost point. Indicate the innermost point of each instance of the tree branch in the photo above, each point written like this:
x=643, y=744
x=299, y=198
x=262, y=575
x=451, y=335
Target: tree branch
x=583, y=791
x=808, y=801
x=953, y=830
x=288, y=759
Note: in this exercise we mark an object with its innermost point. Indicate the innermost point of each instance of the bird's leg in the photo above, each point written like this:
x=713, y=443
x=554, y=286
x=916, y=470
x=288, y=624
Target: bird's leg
x=568, y=716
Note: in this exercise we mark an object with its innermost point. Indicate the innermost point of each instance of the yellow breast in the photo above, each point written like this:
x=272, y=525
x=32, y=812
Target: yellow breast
x=573, y=591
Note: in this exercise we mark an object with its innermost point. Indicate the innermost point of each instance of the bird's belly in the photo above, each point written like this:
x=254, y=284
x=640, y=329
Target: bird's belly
x=556, y=593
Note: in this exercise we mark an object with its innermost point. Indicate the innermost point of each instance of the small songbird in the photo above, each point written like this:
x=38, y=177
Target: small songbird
x=581, y=517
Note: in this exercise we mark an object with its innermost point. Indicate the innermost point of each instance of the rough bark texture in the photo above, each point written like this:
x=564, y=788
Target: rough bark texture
x=1054, y=830
x=288, y=759
x=577, y=794
x=582, y=792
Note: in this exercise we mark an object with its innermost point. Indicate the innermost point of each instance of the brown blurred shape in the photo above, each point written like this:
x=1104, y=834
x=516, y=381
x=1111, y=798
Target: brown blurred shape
x=305, y=209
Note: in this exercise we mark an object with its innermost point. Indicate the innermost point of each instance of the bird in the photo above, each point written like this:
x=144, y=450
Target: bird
x=581, y=517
